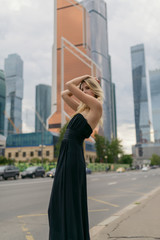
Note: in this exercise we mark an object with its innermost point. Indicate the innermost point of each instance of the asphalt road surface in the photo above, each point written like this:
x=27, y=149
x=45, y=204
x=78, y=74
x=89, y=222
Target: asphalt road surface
x=24, y=203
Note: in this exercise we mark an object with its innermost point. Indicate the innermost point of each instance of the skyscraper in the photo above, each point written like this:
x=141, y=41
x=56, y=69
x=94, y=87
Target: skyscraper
x=2, y=101
x=81, y=47
x=141, y=107
x=14, y=93
x=154, y=77
x=43, y=106
x=97, y=43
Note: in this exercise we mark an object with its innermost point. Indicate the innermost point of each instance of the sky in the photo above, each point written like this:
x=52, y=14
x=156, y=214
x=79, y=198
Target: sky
x=26, y=28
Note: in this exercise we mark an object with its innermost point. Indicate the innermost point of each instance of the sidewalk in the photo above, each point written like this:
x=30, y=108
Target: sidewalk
x=139, y=221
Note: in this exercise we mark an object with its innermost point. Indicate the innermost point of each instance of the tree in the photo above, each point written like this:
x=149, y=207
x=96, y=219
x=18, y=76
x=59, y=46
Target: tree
x=126, y=159
x=115, y=148
x=4, y=161
x=108, y=150
x=61, y=135
x=155, y=159
x=100, y=145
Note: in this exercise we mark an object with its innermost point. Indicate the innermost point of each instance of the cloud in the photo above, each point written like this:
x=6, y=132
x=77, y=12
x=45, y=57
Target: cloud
x=130, y=23
x=126, y=132
x=27, y=29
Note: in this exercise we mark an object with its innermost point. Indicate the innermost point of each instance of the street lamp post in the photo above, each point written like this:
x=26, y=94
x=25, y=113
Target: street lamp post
x=42, y=147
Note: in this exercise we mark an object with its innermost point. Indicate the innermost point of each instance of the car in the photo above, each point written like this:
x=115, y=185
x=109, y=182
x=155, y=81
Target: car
x=88, y=171
x=51, y=173
x=154, y=167
x=9, y=171
x=144, y=169
x=120, y=170
x=34, y=171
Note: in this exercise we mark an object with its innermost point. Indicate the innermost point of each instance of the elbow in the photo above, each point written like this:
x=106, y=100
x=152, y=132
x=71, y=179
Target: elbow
x=62, y=94
x=68, y=84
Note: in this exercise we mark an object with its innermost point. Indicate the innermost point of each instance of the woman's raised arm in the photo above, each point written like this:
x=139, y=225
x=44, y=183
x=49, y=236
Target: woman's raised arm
x=92, y=102
x=67, y=97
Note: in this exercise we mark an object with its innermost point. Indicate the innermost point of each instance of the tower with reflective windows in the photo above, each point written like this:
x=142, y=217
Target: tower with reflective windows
x=97, y=46
x=43, y=106
x=2, y=100
x=81, y=47
x=14, y=94
x=140, y=96
x=154, y=77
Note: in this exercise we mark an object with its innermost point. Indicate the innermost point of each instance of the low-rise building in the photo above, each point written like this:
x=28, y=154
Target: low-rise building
x=26, y=146
x=142, y=153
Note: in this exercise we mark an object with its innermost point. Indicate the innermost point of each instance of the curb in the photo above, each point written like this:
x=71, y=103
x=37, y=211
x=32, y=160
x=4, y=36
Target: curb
x=98, y=228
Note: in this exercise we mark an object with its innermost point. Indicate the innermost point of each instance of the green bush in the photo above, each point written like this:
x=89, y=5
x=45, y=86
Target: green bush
x=6, y=161
x=100, y=167
x=126, y=159
x=155, y=159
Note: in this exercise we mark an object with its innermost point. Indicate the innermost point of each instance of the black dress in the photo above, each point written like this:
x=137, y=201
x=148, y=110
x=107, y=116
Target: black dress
x=68, y=211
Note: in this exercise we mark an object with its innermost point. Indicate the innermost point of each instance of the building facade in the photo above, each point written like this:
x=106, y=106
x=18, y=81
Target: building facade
x=140, y=96
x=145, y=151
x=81, y=47
x=114, y=112
x=26, y=146
x=43, y=106
x=97, y=49
x=2, y=101
x=154, y=77
x=14, y=94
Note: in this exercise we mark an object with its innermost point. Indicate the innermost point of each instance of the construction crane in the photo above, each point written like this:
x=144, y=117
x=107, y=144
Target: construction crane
x=12, y=123
x=41, y=120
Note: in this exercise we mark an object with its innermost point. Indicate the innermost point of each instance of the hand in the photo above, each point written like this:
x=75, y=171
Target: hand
x=85, y=76
x=76, y=81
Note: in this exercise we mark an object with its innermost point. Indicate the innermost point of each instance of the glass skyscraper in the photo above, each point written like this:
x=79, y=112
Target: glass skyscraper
x=97, y=45
x=14, y=93
x=43, y=106
x=81, y=47
x=154, y=77
x=2, y=101
x=141, y=109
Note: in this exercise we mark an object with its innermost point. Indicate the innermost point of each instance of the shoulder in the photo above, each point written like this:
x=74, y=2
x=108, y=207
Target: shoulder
x=97, y=107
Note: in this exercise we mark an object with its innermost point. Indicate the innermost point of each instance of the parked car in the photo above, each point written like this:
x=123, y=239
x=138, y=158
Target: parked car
x=9, y=172
x=145, y=169
x=88, y=171
x=120, y=170
x=154, y=167
x=51, y=173
x=35, y=171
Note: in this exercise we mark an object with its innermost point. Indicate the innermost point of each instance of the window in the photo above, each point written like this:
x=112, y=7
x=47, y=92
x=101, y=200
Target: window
x=47, y=153
x=31, y=154
x=24, y=154
x=39, y=153
x=16, y=154
x=9, y=155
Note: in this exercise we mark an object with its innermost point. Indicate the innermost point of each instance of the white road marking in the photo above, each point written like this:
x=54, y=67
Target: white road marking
x=112, y=183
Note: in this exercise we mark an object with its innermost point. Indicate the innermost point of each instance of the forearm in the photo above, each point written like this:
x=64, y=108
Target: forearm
x=67, y=97
x=77, y=81
x=66, y=93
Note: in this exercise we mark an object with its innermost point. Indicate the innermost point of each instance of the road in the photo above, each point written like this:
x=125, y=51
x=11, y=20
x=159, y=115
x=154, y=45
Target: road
x=24, y=203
